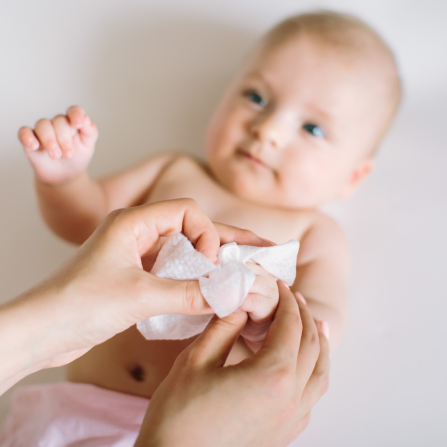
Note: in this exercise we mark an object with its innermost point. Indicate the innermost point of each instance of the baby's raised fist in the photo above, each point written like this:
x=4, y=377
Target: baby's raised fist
x=60, y=149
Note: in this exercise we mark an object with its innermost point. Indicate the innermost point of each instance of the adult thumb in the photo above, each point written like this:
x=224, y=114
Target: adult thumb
x=214, y=344
x=160, y=296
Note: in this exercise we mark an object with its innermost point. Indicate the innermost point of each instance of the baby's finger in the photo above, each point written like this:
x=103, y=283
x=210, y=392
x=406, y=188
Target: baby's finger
x=28, y=139
x=45, y=133
x=88, y=131
x=263, y=297
x=260, y=271
x=255, y=332
x=76, y=116
x=64, y=134
x=261, y=306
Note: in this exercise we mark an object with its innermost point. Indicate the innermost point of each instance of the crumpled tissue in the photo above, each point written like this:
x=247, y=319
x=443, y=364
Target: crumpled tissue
x=224, y=286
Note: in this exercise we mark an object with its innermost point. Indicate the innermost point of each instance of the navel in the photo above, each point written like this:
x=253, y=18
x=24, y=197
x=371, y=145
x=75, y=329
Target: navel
x=138, y=373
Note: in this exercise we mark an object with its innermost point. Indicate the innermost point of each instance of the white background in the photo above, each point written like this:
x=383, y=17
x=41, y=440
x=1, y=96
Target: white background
x=150, y=73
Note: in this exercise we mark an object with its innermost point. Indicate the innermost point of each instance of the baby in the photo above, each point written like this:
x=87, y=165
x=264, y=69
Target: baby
x=297, y=127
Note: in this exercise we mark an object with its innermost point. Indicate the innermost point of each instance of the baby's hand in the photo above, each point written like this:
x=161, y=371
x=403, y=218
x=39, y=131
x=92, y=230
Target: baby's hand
x=260, y=304
x=61, y=149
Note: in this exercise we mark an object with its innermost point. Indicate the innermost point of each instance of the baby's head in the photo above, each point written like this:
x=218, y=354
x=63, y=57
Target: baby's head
x=299, y=124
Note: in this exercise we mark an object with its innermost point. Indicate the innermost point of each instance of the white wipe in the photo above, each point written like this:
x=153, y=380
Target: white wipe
x=224, y=285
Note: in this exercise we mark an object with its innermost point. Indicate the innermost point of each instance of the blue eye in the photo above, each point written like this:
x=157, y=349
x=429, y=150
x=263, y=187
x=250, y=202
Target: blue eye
x=314, y=130
x=256, y=98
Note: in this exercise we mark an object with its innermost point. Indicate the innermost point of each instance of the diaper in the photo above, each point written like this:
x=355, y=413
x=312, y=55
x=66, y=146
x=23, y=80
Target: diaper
x=72, y=414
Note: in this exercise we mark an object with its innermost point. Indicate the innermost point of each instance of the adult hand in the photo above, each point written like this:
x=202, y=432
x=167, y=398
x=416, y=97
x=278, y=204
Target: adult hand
x=103, y=290
x=263, y=401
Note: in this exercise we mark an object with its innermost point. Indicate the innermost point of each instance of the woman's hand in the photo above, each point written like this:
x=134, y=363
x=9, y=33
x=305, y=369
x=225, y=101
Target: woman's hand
x=103, y=290
x=263, y=401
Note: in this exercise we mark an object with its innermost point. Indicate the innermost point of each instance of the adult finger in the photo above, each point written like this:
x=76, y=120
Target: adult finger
x=214, y=344
x=172, y=216
x=136, y=231
x=228, y=234
x=159, y=296
x=282, y=341
x=309, y=347
x=199, y=229
x=299, y=427
x=318, y=382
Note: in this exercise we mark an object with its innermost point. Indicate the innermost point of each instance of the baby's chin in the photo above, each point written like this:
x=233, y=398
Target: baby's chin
x=236, y=183
x=249, y=189
x=262, y=194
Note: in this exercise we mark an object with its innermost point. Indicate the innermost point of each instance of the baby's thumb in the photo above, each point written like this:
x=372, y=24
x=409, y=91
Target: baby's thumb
x=214, y=344
x=88, y=132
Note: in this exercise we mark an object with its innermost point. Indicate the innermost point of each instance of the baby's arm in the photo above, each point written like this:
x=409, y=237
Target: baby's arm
x=322, y=275
x=71, y=203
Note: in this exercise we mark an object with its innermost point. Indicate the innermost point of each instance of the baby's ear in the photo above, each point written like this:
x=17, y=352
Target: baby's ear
x=359, y=173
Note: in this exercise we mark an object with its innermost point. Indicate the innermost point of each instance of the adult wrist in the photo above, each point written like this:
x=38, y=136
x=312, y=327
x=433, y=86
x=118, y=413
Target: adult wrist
x=30, y=336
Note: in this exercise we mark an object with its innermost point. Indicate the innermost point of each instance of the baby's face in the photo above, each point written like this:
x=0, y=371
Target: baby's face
x=295, y=127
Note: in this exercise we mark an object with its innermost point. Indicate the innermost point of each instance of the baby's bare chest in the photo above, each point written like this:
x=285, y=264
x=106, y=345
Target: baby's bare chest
x=225, y=207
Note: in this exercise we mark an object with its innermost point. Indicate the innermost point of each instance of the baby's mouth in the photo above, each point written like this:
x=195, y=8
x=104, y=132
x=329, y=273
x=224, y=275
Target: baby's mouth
x=251, y=158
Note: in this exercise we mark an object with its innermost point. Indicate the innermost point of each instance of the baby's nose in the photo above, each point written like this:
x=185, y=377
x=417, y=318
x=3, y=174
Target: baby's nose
x=273, y=130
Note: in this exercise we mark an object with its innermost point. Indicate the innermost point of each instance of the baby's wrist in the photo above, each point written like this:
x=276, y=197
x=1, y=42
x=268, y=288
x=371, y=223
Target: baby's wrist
x=67, y=182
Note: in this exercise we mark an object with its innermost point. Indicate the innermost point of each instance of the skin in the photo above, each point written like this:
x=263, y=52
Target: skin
x=276, y=387
x=293, y=129
x=103, y=289
x=292, y=132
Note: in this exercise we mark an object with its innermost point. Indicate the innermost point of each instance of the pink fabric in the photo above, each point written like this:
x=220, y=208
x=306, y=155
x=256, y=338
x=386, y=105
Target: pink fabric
x=72, y=414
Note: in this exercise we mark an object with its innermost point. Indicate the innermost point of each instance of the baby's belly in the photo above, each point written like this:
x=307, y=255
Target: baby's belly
x=129, y=363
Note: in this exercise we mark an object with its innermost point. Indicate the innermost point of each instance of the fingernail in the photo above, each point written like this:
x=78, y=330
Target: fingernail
x=325, y=328
x=68, y=154
x=286, y=285
x=56, y=154
x=301, y=297
x=33, y=144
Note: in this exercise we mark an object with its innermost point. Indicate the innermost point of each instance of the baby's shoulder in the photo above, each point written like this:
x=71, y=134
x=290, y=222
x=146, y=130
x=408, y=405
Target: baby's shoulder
x=185, y=163
x=322, y=237
x=181, y=176
x=182, y=167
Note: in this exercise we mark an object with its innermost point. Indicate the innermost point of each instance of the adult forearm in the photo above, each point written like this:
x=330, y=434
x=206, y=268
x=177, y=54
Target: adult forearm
x=27, y=336
x=73, y=209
